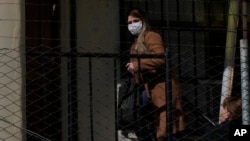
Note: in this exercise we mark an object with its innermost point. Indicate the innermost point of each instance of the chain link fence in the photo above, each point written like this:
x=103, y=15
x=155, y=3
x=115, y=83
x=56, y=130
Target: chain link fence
x=50, y=92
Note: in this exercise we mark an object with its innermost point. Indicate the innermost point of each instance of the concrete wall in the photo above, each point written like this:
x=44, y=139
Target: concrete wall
x=11, y=78
x=97, y=32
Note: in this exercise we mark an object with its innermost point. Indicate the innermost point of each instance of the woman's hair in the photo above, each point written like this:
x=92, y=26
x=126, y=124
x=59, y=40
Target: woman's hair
x=140, y=45
x=233, y=106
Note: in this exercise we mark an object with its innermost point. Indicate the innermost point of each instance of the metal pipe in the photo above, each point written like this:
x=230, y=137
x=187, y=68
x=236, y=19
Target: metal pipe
x=244, y=81
x=244, y=68
x=168, y=84
x=228, y=74
x=72, y=76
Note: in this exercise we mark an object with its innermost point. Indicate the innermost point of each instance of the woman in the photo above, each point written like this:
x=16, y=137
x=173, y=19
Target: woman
x=151, y=73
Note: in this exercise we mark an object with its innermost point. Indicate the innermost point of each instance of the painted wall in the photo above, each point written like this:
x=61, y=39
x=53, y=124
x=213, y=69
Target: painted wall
x=11, y=79
x=97, y=32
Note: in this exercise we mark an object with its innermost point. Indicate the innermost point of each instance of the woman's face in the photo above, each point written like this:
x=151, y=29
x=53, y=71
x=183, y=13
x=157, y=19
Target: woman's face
x=134, y=25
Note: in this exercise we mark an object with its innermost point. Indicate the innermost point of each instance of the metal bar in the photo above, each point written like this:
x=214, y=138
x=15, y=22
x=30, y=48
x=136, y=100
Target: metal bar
x=228, y=73
x=96, y=55
x=244, y=68
x=194, y=59
x=168, y=87
x=244, y=81
x=91, y=100
x=115, y=95
x=72, y=76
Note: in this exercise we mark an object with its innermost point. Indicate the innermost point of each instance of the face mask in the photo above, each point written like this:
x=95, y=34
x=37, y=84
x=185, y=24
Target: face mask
x=135, y=28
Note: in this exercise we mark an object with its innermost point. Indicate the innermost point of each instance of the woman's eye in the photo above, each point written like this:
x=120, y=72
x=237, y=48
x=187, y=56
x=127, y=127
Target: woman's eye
x=133, y=21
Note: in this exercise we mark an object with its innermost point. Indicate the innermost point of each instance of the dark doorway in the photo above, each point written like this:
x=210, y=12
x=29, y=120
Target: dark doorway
x=43, y=88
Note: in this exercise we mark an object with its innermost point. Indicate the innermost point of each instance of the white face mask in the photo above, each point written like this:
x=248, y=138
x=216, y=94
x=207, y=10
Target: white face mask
x=135, y=28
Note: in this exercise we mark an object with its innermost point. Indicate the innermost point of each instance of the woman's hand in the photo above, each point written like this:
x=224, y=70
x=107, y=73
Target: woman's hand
x=130, y=67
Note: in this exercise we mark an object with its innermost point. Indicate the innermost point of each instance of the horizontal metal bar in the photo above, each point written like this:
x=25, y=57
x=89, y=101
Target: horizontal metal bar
x=96, y=55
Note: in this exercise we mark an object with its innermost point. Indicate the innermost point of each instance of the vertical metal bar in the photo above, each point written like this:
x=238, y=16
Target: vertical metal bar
x=91, y=100
x=178, y=34
x=168, y=84
x=168, y=98
x=137, y=96
x=115, y=96
x=228, y=72
x=209, y=105
x=162, y=18
x=244, y=68
x=244, y=81
x=194, y=59
x=72, y=75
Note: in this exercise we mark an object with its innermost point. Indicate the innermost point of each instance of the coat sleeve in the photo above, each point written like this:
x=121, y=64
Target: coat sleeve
x=155, y=45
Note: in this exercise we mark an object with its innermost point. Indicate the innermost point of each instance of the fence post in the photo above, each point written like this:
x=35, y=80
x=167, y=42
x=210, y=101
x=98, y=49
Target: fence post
x=227, y=80
x=244, y=68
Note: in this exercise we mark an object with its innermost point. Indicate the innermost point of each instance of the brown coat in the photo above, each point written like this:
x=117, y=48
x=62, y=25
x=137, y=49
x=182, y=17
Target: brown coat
x=152, y=75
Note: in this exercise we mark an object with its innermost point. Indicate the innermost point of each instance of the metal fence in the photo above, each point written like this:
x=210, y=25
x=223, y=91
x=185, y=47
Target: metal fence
x=73, y=95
